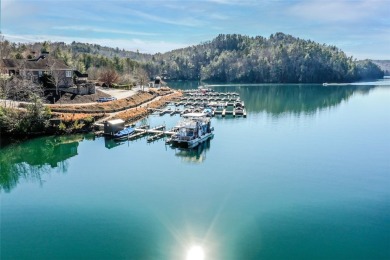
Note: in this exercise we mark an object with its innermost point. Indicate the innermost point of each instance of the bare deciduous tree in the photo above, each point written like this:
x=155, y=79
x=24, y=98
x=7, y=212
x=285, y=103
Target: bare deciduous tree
x=108, y=76
x=57, y=77
x=143, y=77
x=23, y=89
x=127, y=79
x=5, y=86
x=93, y=73
x=4, y=89
x=5, y=48
x=17, y=89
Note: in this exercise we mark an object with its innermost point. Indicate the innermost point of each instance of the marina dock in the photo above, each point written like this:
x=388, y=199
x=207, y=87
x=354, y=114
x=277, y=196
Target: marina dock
x=205, y=103
x=155, y=133
x=195, y=101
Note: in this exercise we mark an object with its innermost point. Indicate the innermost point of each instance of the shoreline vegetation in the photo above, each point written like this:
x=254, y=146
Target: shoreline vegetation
x=36, y=119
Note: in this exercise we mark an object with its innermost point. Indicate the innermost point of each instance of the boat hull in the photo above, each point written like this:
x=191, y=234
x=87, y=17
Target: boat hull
x=123, y=134
x=191, y=143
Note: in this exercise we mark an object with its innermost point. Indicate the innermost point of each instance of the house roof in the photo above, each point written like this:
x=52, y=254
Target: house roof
x=80, y=75
x=36, y=64
x=10, y=63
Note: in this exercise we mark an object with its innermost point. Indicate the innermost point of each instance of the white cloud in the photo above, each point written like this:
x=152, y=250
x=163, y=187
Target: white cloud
x=101, y=30
x=176, y=24
x=338, y=11
x=12, y=10
x=189, y=21
x=127, y=44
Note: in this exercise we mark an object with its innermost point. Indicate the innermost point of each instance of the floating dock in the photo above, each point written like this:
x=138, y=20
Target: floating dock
x=155, y=132
x=166, y=111
x=195, y=101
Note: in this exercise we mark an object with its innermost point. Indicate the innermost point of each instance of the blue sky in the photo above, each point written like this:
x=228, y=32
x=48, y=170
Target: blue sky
x=359, y=27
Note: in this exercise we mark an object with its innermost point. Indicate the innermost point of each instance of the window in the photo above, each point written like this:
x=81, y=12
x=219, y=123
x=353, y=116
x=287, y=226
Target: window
x=40, y=73
x=68, y=73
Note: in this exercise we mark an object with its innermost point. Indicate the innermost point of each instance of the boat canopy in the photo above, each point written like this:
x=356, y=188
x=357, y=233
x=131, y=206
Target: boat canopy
x=188, y=124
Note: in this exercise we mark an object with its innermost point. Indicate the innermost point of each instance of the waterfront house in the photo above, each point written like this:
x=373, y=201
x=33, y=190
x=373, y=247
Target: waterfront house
x=34, y=69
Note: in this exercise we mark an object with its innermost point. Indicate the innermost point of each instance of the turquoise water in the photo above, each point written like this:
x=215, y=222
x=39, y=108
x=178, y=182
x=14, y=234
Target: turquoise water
x=305, y=176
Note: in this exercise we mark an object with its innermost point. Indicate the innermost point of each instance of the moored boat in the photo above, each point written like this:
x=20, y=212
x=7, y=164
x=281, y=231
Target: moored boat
x=193, y=130
x=239, y=111
x=208, y=112
x=123, y=134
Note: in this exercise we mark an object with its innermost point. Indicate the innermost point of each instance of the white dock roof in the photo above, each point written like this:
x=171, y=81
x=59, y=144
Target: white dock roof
x=194, y=115
x=115, y=121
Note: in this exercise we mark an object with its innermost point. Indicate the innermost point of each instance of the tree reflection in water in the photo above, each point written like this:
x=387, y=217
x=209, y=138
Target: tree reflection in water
x=31, y=159
x=278, y=99
x=293, y=98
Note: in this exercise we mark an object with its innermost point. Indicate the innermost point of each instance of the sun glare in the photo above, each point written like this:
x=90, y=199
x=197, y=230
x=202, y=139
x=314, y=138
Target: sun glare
x=195, y=253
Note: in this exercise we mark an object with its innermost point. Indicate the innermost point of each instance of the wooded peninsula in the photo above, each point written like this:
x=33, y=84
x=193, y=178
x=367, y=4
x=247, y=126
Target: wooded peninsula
x=281, y=58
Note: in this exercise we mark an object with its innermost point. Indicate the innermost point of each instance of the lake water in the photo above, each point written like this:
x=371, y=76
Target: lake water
x=305, y=176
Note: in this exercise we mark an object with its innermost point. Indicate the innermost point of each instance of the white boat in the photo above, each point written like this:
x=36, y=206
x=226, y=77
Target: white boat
x=208, y=112
x=239, y=111
x=204, y=89
x=193, y=130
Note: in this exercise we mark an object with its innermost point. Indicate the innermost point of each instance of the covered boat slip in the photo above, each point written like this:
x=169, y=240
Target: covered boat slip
x=111, y=127
x=117, y=129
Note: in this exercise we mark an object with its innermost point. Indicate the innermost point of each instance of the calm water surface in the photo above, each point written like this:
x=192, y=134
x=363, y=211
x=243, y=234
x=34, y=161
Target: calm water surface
x=305, y=176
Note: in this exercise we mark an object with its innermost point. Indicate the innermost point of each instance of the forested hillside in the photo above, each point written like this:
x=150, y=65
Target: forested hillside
x=84, y=57
x=280, y=58
x=383, y=65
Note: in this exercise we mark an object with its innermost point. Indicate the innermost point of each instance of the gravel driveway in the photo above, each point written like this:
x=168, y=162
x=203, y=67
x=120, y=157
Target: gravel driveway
x=119, y=93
